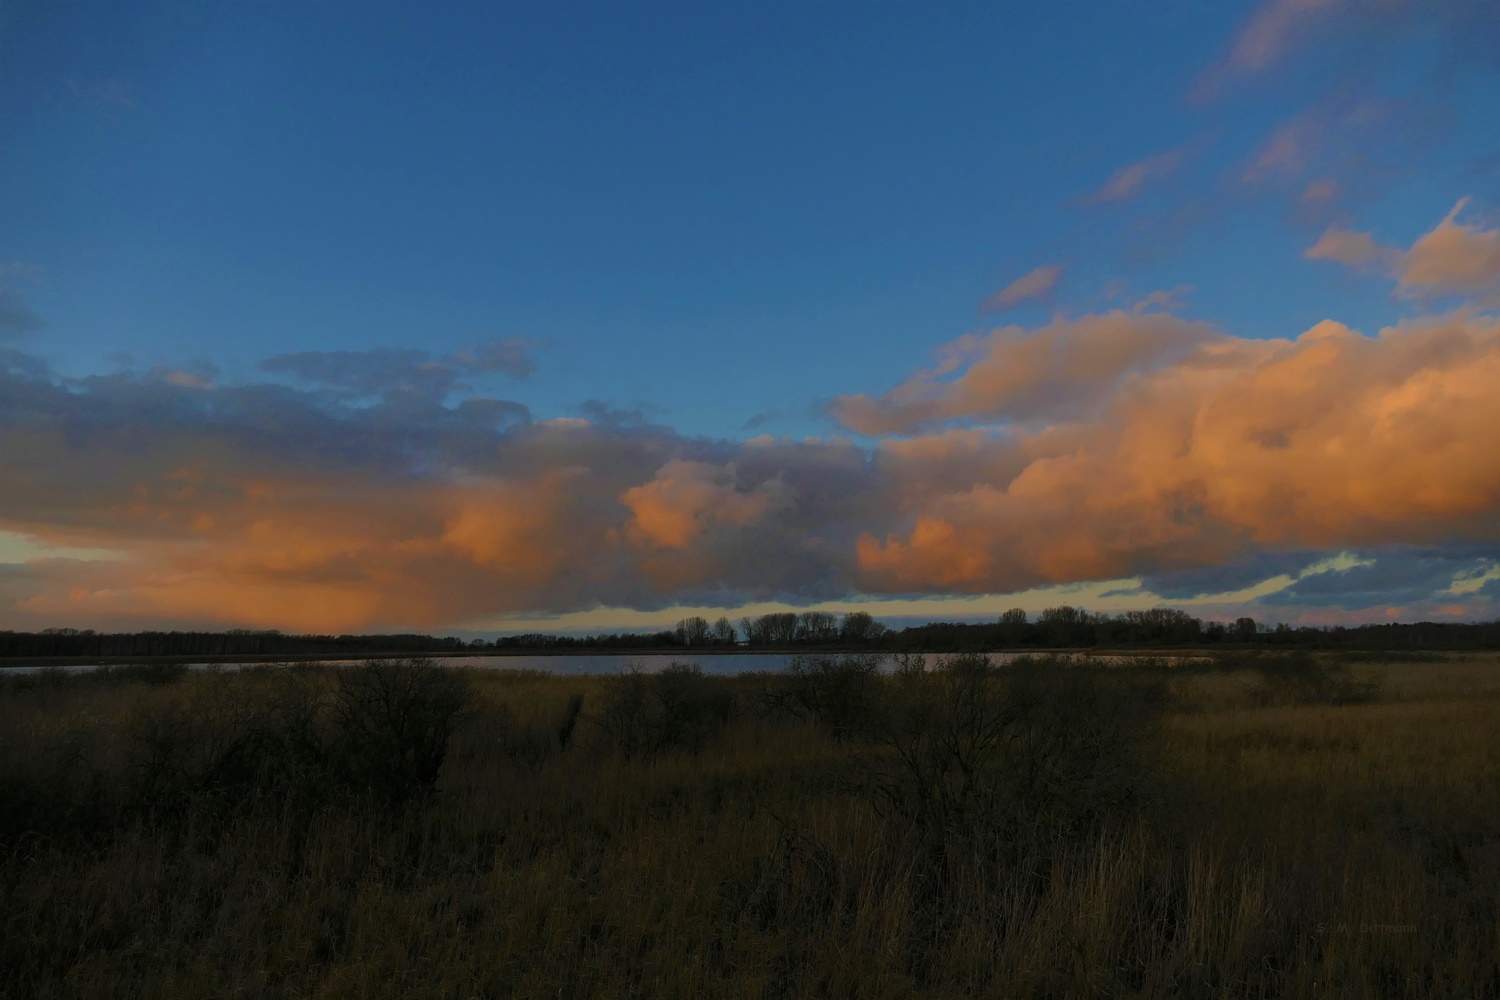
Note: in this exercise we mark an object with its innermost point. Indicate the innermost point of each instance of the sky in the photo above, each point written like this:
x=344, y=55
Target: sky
x=335, y=316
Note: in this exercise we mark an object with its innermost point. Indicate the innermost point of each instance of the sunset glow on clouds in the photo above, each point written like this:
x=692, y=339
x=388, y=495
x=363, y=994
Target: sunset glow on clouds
x=1111, y=446
x=1102, y=448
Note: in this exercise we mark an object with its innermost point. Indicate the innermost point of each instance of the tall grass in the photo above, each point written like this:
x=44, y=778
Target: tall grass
x=1048, y=830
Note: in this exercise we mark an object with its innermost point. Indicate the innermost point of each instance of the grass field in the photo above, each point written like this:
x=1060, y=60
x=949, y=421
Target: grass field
x=1253, y=827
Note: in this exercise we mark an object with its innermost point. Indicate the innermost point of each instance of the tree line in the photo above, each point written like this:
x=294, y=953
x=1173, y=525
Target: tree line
x=1059, y=627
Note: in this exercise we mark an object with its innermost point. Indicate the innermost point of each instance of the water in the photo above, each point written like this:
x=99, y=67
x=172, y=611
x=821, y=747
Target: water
x=583, y=663
x=724, y=664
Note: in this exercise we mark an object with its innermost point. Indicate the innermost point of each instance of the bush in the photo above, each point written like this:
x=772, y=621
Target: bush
x=50, y=788
x=156, y=674
x=531, y=745
x=839, y=692
x=971, y=748
x=228, y=746
x=392, y=720
x=1304, y=679
x=677, y=709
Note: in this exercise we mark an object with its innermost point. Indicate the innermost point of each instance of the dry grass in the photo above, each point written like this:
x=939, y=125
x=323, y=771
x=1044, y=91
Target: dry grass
x=1299, y=850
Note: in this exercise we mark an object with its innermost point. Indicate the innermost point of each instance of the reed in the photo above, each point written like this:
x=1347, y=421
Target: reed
x=205, y=834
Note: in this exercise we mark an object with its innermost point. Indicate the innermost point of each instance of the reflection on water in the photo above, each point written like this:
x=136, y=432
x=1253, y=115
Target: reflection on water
x=612, y=663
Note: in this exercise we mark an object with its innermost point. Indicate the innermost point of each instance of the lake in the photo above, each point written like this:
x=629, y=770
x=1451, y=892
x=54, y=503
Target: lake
x=612, y=663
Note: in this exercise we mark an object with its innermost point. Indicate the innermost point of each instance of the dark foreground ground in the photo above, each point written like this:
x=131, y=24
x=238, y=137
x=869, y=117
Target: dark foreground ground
x=1259, y=826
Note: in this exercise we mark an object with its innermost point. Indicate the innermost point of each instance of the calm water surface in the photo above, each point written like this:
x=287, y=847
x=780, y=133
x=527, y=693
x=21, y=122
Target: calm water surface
x=607, y=663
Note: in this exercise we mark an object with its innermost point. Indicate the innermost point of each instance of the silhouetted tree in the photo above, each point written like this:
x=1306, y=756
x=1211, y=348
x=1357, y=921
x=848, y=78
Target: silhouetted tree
x=779, y=627
x=1064, y=625
x=1014, y=626
x=693, y=631
x=722, y=633
x=817, y=627
x=860, y=627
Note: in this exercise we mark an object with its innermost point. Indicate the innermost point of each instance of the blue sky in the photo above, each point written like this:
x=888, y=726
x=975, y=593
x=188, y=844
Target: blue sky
x=711, y=220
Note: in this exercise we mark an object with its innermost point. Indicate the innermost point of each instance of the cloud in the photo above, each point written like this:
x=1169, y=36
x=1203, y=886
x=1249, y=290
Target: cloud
x=1450, y=259
x=602, y=411
x=1398, y=575
x=1032, y=285
x=186, y=379
x=1244, y=574
x=408, y=372
x=1274, y=27
x=684, y=499
x=1118, y=446
x=1288, y=149
x=1016, y=374
x=1345, y=148
x=268, y=505
x=16, y=317
x=509, y=357
x=1356, y=250
x=1128, y=181
x=1463, y=29
x=1319, y=193
x=1234, y=447
x=1453, y=258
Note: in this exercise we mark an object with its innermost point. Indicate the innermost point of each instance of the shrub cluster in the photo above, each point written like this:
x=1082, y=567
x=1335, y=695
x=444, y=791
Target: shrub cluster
x=840, y=693
x=1301, y=678
x=970, y=749
x=391, y=722
x=223, y=744
x=530, y=744
x=677, y=709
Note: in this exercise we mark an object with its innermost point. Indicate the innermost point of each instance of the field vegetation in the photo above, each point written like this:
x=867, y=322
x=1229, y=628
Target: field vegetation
x=1255, y=825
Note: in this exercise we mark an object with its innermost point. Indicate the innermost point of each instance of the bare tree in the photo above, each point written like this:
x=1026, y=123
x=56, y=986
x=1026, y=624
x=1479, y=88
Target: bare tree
x=817, y=626
x=693, y=631
x=860, y=627
x=780, y=627
x=1013, y=625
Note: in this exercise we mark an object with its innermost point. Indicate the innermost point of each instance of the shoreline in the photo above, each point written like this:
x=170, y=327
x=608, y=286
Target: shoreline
x=32, y=662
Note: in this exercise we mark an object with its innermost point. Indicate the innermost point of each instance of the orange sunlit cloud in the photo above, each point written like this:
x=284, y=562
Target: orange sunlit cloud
x=1452, y=258
x=1201, y=447
x=1330, y=439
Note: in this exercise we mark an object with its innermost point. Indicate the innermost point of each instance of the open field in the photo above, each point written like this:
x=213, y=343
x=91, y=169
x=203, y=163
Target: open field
x=1260, y=826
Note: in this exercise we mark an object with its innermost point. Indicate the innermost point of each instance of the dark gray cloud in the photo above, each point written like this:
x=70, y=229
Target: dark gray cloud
x=16, y=317
x=509, y=357
x=603, y=411
x=402, y=372
x=406, y=509
x=1254, y=568
x=1394, y=576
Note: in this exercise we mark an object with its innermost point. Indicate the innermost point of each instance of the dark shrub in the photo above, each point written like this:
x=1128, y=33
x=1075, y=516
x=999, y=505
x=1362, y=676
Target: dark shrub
x=50, y=789
x=237, y=743
x=531, y=745
x=156, y=674
x=839, y=692
x=1301, y=678
x=392, y=720
x=970, y=748
x=677, y=709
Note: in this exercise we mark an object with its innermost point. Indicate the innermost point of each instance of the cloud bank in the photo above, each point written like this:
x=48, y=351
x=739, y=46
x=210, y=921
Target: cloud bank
x=1107, y=446
x=353, y=490
x=1205, y=449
